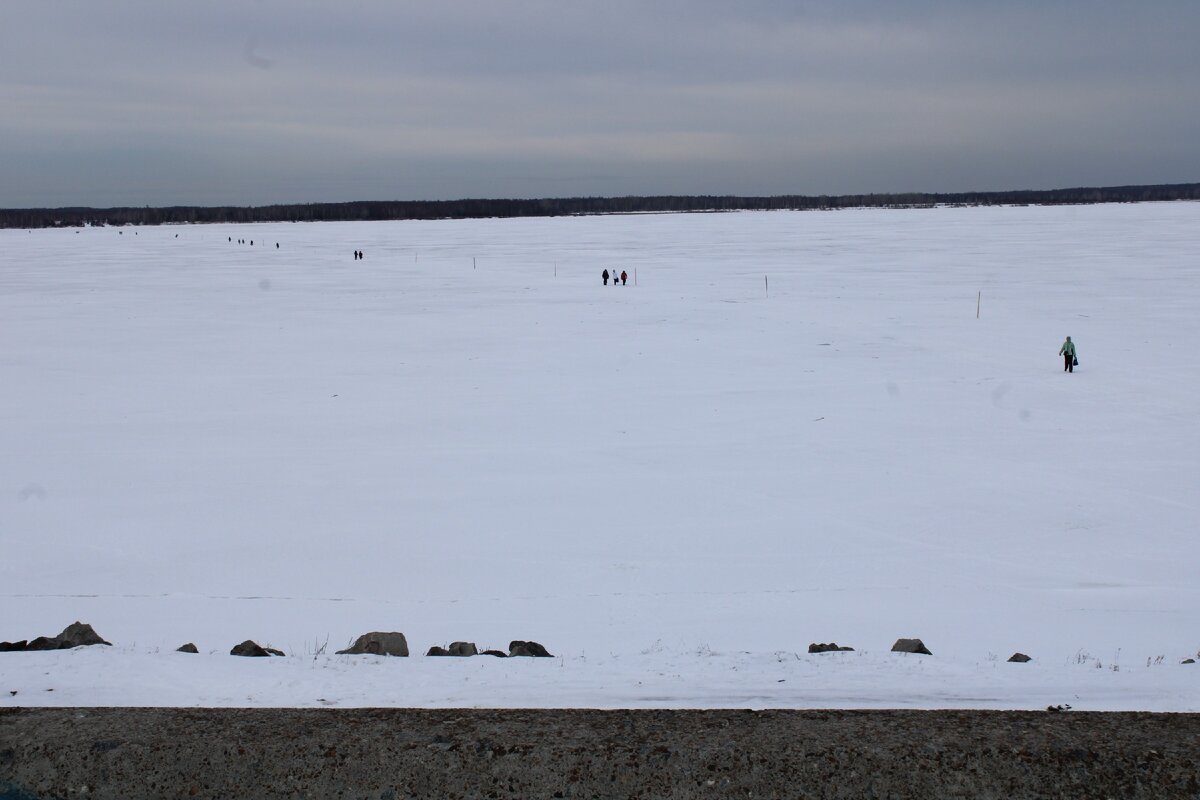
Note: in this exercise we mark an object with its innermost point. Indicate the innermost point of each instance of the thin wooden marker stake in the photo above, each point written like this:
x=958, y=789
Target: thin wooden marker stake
x=978, y=301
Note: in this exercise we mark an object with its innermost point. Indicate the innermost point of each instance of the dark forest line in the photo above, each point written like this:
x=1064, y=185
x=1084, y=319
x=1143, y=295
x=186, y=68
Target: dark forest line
x=552, y=207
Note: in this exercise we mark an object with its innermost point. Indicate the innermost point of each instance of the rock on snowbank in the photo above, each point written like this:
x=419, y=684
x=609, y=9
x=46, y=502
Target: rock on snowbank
x=252, y=649
x=911, y=646
x=77, y=634
x=379, y=643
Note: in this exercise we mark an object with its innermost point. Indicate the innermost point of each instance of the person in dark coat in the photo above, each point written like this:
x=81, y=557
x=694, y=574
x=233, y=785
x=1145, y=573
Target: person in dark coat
x=604, y=277
x=1068, y=353
x=624, y=277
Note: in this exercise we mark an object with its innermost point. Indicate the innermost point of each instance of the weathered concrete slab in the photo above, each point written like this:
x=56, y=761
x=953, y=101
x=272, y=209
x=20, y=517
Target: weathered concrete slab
x=400, y=753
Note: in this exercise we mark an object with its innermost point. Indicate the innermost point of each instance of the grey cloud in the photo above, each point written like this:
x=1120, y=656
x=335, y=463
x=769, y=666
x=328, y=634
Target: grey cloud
x=237, y=102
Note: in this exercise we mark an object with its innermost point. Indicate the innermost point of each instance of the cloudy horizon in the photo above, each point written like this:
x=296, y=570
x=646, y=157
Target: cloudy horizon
x=250, y=103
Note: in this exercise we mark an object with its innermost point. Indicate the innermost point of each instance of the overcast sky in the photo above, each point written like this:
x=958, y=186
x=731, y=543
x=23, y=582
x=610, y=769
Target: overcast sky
x=247, y=102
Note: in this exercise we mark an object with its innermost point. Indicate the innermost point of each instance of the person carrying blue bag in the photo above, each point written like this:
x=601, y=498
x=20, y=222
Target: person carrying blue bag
x=1070, y=359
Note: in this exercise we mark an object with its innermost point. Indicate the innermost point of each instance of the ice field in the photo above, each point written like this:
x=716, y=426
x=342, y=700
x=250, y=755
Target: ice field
x=793, y=429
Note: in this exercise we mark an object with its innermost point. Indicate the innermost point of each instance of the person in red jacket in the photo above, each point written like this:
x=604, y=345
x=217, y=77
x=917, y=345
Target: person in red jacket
x=624, y=277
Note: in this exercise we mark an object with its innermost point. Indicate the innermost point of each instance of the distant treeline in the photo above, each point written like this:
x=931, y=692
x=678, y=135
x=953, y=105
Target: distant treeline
x=553, y=207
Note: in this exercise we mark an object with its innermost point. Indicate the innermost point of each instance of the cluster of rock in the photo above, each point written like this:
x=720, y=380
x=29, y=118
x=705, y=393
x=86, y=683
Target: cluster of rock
x=77, y=634
x=251, y=649
x=519, y=648
x=379, y=643
x=393, y=643
x=902, y=646
x=459, y=649
x=516, y=649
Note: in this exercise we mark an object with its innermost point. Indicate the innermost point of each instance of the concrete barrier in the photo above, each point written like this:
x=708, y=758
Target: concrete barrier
x=385, y=754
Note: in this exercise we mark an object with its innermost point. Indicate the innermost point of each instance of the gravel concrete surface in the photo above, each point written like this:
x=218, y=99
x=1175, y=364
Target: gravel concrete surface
x=387, y=754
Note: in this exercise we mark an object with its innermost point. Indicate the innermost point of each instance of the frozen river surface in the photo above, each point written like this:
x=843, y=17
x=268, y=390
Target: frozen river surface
x=675, y=486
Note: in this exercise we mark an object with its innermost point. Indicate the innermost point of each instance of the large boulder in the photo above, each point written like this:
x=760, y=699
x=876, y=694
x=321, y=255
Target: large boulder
x=79, y=634
x=438, y=651
x=378, y=643
x=521, y=648
x=832, y=647
x=187, y=648
x=463, y=649
x=911, y=646
x=13, y=647
x=252, y=649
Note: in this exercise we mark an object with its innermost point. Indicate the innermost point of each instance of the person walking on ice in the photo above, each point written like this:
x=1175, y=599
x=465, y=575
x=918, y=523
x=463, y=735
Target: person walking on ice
x=1068, y=353
x=604, y=277
x=624, y=277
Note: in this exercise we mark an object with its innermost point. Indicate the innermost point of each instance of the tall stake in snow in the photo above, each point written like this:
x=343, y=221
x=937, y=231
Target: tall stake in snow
x=978, y=300
x=766, y=286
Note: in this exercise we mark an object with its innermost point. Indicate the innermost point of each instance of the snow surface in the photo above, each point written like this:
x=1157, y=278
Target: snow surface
x=675, y=487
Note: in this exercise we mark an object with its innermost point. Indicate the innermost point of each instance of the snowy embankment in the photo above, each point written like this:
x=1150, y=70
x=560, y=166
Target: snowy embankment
x=140, y=676
x=674, y=486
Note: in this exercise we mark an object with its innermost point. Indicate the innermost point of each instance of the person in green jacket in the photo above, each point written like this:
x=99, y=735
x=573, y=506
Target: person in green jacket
x=1068, y=352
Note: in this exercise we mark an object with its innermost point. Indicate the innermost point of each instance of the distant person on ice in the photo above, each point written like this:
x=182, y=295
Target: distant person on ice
x=1068, y=353
x=604, y=277
x=624, y=277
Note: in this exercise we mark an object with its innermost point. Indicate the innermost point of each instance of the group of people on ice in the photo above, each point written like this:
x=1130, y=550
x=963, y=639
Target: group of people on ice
x=623, y=277
x=1067, y=351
